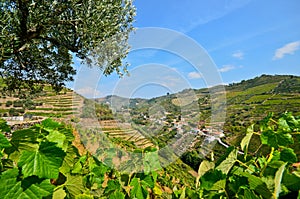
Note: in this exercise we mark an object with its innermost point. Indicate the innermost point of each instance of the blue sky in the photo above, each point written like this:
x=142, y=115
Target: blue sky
x=243, y=39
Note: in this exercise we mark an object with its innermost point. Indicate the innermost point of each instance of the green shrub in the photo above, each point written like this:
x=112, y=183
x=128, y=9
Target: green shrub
x=8, y=103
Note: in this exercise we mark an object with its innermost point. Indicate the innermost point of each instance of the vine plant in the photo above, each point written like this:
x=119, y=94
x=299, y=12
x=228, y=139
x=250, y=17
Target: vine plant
x=42, y=162
x=252, y=176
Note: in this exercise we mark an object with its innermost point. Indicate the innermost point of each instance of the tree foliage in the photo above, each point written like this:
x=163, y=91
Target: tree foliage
x=39, y=38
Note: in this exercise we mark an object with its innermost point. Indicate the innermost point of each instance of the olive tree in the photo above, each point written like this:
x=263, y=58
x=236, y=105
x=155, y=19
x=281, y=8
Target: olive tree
x=39, y=39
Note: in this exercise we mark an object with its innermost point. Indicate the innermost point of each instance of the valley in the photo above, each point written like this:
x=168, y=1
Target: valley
x=176, y=128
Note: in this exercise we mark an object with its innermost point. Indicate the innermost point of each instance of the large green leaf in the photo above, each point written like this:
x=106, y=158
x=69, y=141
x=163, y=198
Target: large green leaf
x=38, y=190
x=43, y=162
x=226, y=165
x=10, y=188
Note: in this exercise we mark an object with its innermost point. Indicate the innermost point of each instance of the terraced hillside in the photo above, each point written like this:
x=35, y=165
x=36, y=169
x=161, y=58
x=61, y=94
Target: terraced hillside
x=64, y=104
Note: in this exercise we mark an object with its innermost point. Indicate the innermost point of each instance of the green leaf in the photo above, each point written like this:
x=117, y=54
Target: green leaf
x=74, y=185
x=69, y=160
x=10, y=188
x=68, y=132
x=219, y=185
x=117, y=195
x=284, y=139
x=274, y=139
x=138, y=191
x=43, y=162
x=112, y=185
x=50, y=124
x=268, y=138
x=4, y=143
x=210, y=178
x=84, y=196
x=248, y=194
x=38, y=190
x=3, y=126
x=154, y=175
x=283, y=125
x=246, y=140
x=288, y=155
x=148, y=182
x=257, y=185
x=292, y=122
x=57, y=137
x=203, y=168
x=59, y=194
x=226, y=165
x=277, y=180
x=264, y=124
x=182, y=195
x=26, y=139
x=291, y=181
x=77, y=168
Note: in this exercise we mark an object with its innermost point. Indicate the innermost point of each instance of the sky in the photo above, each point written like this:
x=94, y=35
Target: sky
x=181, y=44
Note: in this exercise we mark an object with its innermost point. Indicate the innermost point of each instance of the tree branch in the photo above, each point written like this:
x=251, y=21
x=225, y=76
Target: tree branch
x=23, y=8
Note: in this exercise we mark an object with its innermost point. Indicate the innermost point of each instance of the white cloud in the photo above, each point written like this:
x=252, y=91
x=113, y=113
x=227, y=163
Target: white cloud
x=289, y=48
x=226, y=68
x=89, y=92
x=194, y=75
x=238, y=55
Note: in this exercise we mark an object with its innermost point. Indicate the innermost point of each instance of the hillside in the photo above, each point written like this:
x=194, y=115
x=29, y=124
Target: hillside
x=161, y=118
x=46, y=103
x=120, y=138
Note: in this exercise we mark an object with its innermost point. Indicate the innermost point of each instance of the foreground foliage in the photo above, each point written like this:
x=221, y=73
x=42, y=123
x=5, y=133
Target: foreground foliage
x=252, y=175
x=41, y=162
